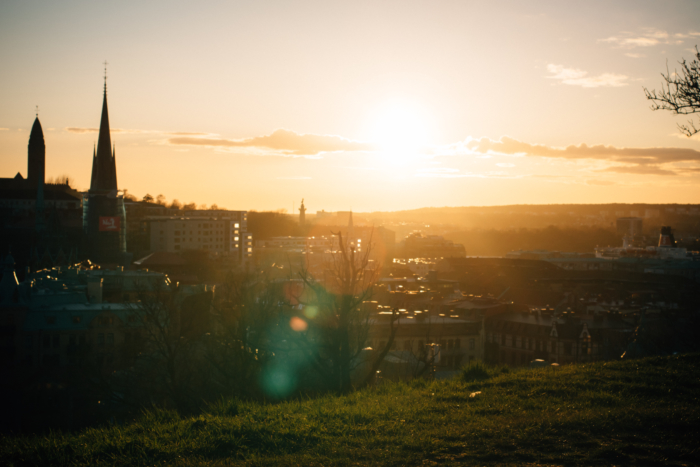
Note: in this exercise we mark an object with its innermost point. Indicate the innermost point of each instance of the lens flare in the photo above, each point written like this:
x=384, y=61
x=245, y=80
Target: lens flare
x=297, y=324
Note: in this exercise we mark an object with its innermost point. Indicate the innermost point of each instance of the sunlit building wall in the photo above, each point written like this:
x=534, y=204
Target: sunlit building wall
x=225, y=236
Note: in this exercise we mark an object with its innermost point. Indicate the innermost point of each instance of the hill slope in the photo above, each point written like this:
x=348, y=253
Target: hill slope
x=634, y=412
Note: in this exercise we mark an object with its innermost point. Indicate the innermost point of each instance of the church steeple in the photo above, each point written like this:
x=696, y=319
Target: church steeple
x=104, y=167
x=36, y=154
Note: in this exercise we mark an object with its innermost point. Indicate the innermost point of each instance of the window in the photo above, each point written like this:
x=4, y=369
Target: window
x=567, y=348
x=100, y=339
x=472, y=344
x=458, y=343
x=76, y=319
x=503, y=339
x=110, y=339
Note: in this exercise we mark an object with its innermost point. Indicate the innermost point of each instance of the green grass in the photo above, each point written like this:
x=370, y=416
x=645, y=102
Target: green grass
x=642, y=412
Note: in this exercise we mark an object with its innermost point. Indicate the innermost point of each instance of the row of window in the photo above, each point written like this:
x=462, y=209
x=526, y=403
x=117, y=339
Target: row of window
x=537, y=345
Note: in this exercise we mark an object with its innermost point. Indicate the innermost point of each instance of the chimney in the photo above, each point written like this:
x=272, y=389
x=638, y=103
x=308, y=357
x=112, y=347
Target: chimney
x=666, y=239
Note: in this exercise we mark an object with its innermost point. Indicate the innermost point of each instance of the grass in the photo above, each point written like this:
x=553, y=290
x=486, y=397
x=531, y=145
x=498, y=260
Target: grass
x=643, y=412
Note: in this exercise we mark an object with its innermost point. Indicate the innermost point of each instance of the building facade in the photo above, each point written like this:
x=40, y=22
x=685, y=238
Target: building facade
x=226, y=235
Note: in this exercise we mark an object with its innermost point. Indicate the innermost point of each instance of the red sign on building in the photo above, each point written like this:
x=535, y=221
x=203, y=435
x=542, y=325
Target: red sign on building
x=110, y=224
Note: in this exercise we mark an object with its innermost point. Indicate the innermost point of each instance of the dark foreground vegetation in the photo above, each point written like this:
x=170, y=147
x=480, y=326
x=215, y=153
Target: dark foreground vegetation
x=642, y=412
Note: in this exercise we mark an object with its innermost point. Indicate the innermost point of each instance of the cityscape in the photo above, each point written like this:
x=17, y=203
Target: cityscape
x=400, y=267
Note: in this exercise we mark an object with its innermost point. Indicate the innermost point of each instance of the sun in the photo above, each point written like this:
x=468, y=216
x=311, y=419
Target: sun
x=401, y=131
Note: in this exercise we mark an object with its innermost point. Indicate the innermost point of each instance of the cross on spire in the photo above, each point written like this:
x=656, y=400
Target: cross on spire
x=37, y=111
x=105, y=75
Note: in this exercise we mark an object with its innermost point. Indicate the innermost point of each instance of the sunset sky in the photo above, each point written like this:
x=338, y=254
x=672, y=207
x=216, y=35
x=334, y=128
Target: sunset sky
x=377, y=105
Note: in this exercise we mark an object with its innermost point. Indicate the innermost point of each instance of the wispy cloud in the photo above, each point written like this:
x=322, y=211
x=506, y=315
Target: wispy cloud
x=576, y=77
x=600, y=182
x=640, y=161
x=80, y=130
x=639, y=170
x=286, y=142
x=510, y=146
x=649, y=37
x=4, y=129
x=635, y=55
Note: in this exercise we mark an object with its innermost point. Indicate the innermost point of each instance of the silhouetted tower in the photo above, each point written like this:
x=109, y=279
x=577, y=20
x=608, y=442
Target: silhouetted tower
x=302, y=213
x=351, y=232
x=36, y=154
x=104, y=216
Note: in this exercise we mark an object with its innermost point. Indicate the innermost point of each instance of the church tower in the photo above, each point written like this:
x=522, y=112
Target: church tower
x=36, y=154
x=104, y=164
x=104, y=216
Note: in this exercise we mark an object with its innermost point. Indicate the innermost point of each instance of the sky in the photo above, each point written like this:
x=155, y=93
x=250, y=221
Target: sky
x=365, y=105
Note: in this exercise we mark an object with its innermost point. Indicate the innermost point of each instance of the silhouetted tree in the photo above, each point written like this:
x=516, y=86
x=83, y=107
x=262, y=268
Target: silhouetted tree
x=148, y=198
x=335, y=337
x=247, y=310
x=681, y=93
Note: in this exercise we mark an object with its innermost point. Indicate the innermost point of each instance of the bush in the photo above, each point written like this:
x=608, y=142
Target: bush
x=475, y=371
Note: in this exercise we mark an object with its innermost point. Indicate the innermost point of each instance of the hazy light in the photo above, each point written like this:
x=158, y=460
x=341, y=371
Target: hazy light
x=311, y=312
x=297, y=324
x=401, y=130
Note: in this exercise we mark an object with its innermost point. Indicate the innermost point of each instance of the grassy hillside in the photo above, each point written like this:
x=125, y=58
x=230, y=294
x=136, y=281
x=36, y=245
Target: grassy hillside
x=644, y=412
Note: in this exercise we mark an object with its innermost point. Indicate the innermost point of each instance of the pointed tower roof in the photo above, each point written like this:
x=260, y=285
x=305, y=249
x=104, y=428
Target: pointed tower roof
x=104, y=169
x=36, y=154
x=37, y=134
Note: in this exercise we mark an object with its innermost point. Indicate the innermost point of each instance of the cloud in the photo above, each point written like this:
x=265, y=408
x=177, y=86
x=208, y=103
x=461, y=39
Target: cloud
x=634, y=55
x=600, y=182
x=576, y=77
x=640, y=161
x=639, y=170
x=4, y=129
x=287, y=142
x=505, y=164
x=510, y=146
x=649, y=37
x=80, y=130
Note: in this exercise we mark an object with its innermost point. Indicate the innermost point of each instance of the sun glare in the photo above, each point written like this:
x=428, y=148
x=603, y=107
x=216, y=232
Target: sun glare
x=401, y=131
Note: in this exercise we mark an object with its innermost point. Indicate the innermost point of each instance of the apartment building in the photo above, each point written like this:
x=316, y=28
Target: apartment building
x=225, y=235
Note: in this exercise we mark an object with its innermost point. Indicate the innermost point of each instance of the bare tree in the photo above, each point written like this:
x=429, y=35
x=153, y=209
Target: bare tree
x=171, y=330
x=247, y=308
x=336, y=336
x=681, y=93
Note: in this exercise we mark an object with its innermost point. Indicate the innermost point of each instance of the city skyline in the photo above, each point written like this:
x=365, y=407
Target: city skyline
x=367, y=107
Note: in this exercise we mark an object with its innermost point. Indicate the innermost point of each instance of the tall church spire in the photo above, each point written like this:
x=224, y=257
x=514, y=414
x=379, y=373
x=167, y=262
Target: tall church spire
x=104, y=169
x=36, y=154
